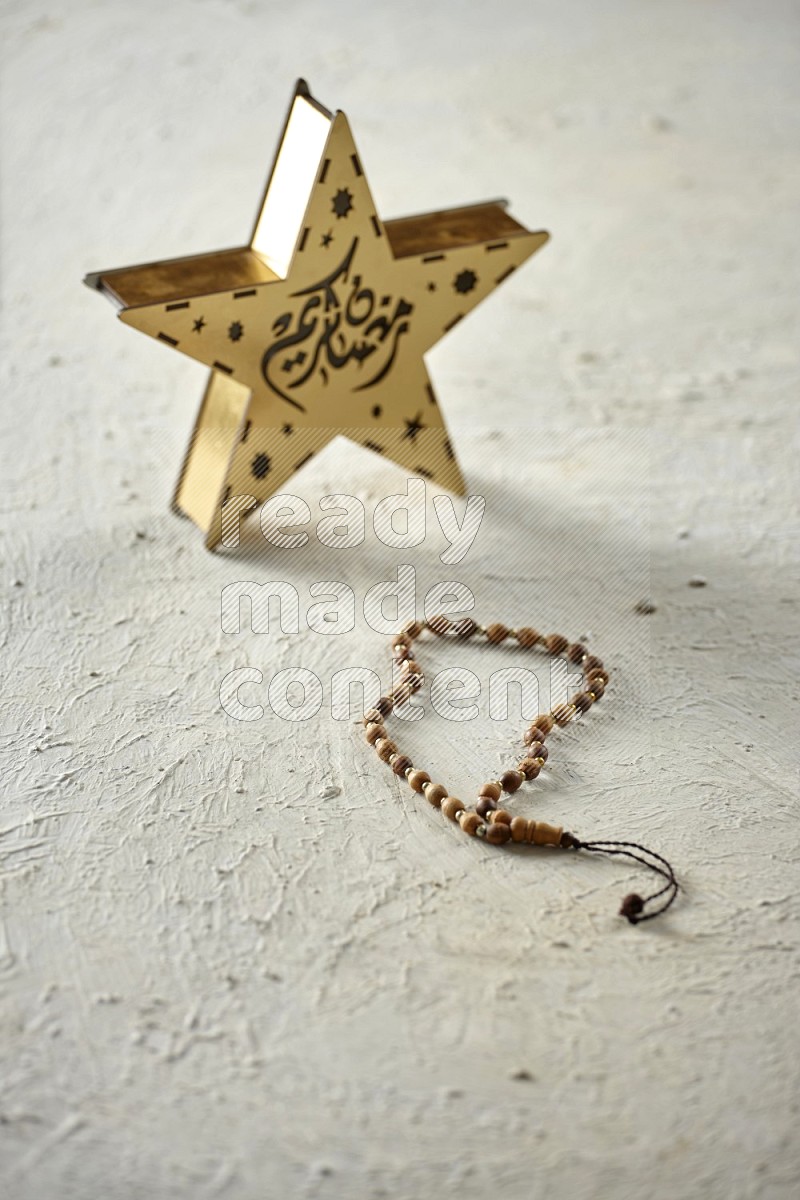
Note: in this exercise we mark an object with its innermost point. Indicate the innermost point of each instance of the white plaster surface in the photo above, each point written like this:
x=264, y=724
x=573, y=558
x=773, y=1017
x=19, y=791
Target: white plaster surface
x=239, y=960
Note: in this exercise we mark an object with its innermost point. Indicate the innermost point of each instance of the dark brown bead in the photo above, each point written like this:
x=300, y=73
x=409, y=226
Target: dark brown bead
x=592, y=663
x=576, y=652
x=484, y=806
x=582, y=701
x=496, y=634
x=464, y=628
x=511, y=781
x=538, y=750
x=384, y=706
x=534, y=734
x=556, y=643
x=528, y=637
x=529, y=768
x=401, y=764
x=595, y=675
x=497, y=834
x=544, y=722
x=439, y=624
x=597, y=688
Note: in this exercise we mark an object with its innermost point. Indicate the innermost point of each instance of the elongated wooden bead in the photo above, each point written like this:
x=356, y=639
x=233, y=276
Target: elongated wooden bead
x=546, y=835
x=519, y=829
x=497, y=834
x=418, y=779
x=452, y=806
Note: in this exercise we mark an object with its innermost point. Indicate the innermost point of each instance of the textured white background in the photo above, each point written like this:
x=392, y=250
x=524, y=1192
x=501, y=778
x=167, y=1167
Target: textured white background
x=241, y=960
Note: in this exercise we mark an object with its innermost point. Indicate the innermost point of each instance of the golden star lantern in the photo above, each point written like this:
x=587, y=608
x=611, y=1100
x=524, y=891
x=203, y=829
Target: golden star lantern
x=319, y=326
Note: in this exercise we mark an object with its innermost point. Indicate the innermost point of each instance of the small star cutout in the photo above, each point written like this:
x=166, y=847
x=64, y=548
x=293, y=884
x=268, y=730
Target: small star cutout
x=342, y=202
x=260, y=466
x=287, y=429
x=413, y=427
x=327, y=238
x=465, y=281
x=198, y=325
x=235, y=331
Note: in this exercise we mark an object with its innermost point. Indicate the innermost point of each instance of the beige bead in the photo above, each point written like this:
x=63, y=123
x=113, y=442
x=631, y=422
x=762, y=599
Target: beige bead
x=469, y=822
x=496, y=634
x=501, y=816
x=385, y=748
x=519, y=829
x=418, y=779
x=491, y=789
x=452, y=806
x=546, y=835
x=435, y=793
x=374, y=731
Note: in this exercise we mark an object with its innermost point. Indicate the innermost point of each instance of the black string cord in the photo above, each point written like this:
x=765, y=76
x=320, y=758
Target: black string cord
x=633, y=906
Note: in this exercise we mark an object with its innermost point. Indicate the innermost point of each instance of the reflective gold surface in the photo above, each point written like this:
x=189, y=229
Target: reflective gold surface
x=320, y=325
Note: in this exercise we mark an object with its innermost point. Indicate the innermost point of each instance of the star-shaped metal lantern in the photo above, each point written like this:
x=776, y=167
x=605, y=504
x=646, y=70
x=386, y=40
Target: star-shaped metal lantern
x=319, y=325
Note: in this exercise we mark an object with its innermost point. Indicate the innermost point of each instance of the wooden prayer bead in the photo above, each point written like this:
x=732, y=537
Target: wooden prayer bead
x=412, y=630
x=593, y=663
x=411, y=667
x=534, y=735
x=374, y=731
x=582, y=701
x=511, y=781
x=384, y=706
x=385, y=748
x=576, y=652
x=519, y=829
x=435, y=793
x=538, y=750
x=597, y=689
x=418, y=779
x=544, y=722
x=469, y=822
x=496, y=634
x=485, y=806
x=502, y=815
x=597, y=674
x=451, y=807
x=529, y=767
x=491, y=789
x=563, y=714
x=546, y=835
x=556, y=643
x=373, y=717
x=401, y=764
x=497, y=834
x=528, y=637
x=465, y=627
x=438, y=624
